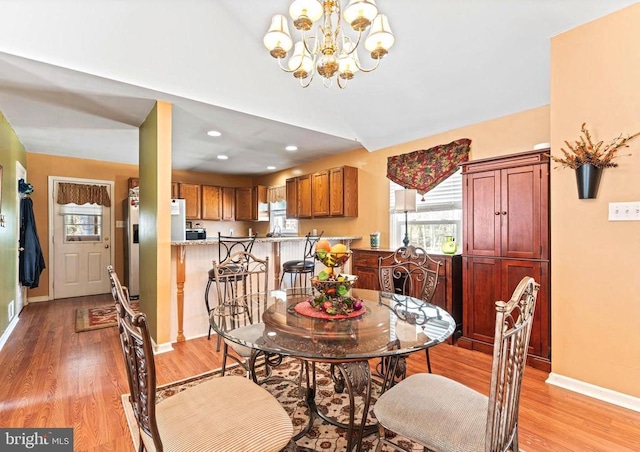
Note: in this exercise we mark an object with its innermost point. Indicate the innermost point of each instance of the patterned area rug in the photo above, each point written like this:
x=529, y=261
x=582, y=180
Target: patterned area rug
x=322, y=436
x=88, y=319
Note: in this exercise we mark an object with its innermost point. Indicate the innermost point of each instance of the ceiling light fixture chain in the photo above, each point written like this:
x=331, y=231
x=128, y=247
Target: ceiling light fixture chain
x=329, y=51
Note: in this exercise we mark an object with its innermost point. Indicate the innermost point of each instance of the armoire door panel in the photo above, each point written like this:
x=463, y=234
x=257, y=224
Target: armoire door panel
x=520, y=212
x=484, y=288
x=482, y=214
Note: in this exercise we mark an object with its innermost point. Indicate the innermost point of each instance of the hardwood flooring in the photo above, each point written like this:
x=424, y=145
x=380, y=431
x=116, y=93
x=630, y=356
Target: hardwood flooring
x=51, y=376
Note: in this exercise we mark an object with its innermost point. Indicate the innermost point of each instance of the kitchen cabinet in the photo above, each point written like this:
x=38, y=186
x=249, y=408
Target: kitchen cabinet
x=291, y=187
x=343, y=182
x=320, y=194
x=304, y=196
x=326, y=193
x=506, y=237
x=448, y=295
x=134, y=182
x=191, y=194
x=228, y=203
x=211, y=202
x=260, y=206
x=244, y=211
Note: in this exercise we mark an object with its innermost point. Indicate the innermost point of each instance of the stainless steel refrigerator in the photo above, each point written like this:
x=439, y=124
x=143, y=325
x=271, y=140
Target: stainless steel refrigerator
x=131, y=246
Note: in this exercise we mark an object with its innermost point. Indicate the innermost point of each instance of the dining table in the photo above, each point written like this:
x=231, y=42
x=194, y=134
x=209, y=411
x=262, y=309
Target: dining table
x=386, y=328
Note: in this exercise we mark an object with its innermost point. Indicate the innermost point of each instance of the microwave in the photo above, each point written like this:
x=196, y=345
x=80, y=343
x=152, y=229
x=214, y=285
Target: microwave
x=196, y=234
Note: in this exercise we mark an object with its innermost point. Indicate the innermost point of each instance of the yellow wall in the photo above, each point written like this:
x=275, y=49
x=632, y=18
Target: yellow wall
x=595, y=73
x=506, y=135
x=11, y=150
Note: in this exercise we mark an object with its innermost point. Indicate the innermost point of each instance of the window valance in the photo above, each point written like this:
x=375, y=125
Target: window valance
x=276, y=194
x=83, y=194
x=424, y=169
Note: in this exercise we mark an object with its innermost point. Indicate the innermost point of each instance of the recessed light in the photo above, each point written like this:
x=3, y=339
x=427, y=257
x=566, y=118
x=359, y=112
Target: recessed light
x=291, y=148
x=222, y=157
x=271, y=167
x=213, y=133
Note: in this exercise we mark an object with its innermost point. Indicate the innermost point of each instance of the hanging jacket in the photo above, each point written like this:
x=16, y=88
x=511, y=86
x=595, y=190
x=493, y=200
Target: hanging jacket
x=31, y=258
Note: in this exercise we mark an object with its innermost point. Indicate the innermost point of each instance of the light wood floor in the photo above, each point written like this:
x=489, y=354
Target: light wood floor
x=51, y=376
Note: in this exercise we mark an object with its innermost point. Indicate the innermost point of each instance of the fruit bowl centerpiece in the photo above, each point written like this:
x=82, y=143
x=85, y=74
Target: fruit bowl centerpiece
x=333, y=287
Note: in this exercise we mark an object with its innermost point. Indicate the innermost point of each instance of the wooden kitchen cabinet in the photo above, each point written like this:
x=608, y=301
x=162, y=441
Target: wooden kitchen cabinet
x=191, y=194
x=506, y=237
x=259, y=205
x=448, y=295
x=320, y=194
x=228, y=203
x=326, y=193
x=211, y=202
x=343, y=182
x=304, y=196
x=291, y=187
x=244, y=197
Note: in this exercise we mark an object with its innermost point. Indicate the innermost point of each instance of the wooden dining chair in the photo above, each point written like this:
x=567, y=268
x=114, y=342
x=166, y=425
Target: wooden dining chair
x=222, y=414
x=242, y=298
x=443, y=415
x=410, y=271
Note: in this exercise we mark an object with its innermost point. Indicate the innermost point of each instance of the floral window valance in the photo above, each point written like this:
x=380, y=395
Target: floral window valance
x=276, y=194
x=83, y=194
x=424, y=169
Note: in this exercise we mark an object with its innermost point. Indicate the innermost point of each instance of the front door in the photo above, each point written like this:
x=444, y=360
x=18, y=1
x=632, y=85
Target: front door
x=81, y=245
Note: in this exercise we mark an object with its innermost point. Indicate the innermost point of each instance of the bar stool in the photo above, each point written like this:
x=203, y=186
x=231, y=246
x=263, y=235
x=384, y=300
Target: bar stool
x=302, y=269
x=227, y=245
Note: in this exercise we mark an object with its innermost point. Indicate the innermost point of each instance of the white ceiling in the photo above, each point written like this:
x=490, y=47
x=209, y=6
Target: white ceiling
x=77, y=78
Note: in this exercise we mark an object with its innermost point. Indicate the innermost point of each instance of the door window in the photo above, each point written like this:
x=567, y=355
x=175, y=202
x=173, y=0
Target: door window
x=82, y=223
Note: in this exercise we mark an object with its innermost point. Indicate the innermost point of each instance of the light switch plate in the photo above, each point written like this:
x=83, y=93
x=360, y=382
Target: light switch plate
x=624, y=211
x=119, y=224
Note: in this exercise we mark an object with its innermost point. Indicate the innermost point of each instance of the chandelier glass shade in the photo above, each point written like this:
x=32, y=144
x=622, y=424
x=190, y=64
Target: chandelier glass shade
x=326, y=49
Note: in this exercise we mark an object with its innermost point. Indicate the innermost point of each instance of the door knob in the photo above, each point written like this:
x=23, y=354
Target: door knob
x=107, y=245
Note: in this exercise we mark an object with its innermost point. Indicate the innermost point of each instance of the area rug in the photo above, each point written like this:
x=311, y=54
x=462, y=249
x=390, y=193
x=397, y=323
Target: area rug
x=322, y=436
x=88, y=319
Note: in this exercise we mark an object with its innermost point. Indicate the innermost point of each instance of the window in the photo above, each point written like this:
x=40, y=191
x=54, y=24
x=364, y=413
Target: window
x=82, y=223
x=278, y=221
x=439, y=215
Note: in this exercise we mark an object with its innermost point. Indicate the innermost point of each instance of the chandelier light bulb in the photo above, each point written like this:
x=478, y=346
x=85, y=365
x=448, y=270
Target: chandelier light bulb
x=360, y=13
x=304, y=13
x=300, y=63
x=348, y=61
x=380, y=37
x=278, y=40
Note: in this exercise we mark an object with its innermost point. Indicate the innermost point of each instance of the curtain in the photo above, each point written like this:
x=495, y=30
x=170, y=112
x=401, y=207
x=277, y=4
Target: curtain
x=276, y=194
x=83, y=194
x=425, y=169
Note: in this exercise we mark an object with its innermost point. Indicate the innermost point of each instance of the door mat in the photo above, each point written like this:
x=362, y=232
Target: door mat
x=88, y=319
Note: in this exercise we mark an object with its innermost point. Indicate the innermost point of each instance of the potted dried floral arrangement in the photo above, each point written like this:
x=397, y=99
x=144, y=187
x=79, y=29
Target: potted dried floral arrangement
x=588, y=159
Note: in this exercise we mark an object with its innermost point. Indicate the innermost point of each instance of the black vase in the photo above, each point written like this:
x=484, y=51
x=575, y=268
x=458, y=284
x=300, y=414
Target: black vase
x=588, y=179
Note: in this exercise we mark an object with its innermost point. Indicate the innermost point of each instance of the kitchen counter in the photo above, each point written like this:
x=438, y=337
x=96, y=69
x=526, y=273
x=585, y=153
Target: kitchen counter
x=191, y=260
x=284, y=238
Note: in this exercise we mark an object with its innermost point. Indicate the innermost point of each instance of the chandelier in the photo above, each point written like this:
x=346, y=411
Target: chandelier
x=328, y=50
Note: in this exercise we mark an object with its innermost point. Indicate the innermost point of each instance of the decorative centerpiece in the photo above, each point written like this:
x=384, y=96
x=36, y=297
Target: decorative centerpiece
x=332, y=286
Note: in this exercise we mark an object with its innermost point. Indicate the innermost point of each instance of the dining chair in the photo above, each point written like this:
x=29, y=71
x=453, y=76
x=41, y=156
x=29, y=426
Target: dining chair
x=242, y=298
x=443, y=415
x=117, y=287
x=220, y=414
x=227, y=245
x=302, y=270
x=410, y=271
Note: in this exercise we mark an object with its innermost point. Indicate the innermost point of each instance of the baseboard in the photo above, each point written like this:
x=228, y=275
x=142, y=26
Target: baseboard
x=5, y=336
x=38, y=299
x=162, y=348
x=596, y=392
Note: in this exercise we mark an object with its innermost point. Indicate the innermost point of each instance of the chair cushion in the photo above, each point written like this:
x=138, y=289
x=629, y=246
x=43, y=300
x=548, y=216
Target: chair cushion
x=298, y=266
x=250, y=333
x=222, y=414
x=436, y=412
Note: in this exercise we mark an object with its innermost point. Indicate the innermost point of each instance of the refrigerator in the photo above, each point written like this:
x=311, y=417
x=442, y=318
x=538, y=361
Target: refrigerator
x=131, y=245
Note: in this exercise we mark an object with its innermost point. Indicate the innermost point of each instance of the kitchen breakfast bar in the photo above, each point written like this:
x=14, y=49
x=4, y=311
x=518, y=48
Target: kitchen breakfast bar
x=191, y=261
